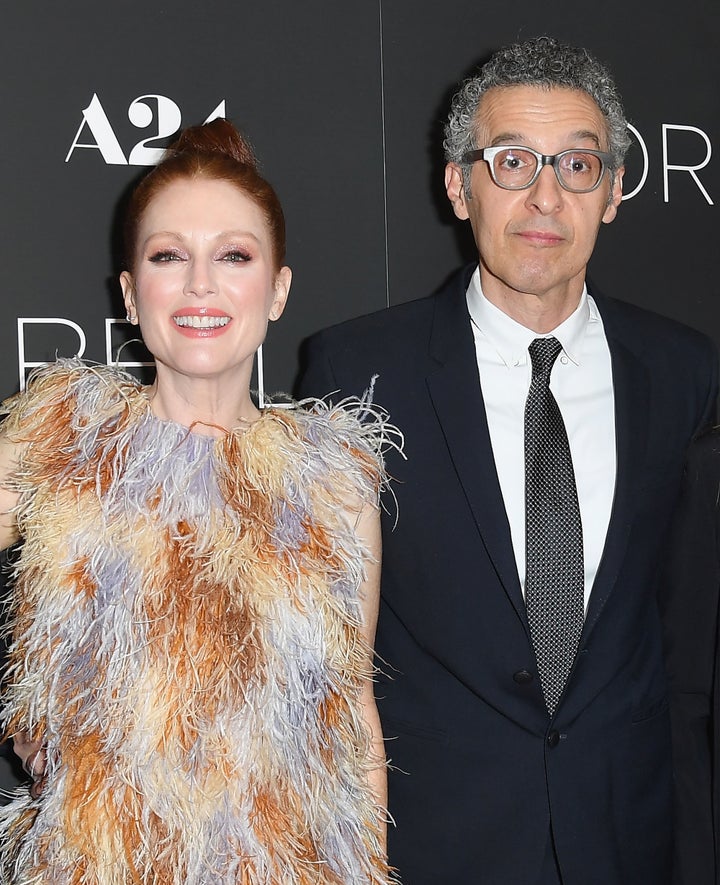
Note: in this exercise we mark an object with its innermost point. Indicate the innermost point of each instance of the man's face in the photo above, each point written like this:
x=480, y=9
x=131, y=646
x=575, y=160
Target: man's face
x=536, y=241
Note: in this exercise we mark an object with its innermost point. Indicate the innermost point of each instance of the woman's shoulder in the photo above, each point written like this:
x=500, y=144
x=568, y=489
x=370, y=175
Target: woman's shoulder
x=354, y=424
x=87, y=393
x=340, y=445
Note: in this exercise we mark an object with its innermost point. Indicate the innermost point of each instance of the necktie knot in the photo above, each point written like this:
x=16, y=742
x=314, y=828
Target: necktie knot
x=543, y=353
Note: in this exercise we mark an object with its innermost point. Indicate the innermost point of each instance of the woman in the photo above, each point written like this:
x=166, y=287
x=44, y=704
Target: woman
x=196, y=595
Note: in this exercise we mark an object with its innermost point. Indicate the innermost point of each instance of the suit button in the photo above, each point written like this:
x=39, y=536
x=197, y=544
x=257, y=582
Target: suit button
x=553, y=739
x=523, y=677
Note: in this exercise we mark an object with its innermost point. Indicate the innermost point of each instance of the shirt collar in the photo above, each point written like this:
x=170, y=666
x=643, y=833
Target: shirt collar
x=511, y=339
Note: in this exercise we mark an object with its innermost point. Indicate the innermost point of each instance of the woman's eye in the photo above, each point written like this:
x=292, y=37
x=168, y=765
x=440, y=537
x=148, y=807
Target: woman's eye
x=164, y=255
x=235, y=256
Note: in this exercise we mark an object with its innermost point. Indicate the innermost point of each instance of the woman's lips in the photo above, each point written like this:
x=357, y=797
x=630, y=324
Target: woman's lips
x=203, y=321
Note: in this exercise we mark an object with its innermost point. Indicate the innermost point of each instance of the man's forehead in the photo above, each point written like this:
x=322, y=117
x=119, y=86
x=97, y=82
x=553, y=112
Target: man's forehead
x=527, y=112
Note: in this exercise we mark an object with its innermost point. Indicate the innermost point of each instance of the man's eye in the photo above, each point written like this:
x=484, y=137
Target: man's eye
x=580, y=164
x=512, y=161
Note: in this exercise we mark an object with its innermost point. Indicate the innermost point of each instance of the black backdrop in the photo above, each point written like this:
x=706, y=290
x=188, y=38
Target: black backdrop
x=344, y=103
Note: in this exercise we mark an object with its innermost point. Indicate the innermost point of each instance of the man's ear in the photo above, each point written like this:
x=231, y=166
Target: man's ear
x=615, y=197
x=455, y=189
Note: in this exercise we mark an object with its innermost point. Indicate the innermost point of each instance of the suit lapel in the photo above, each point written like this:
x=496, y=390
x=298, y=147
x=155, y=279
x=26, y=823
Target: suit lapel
x=631, y=385
x=456, y=395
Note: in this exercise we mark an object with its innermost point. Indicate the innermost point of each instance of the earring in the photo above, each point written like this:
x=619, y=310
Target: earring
x=129, y=318
x=260, y=378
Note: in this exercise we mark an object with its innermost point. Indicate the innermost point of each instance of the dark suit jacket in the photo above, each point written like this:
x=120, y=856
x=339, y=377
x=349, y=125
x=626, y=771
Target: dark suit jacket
x=480, y=772
x=689, y=603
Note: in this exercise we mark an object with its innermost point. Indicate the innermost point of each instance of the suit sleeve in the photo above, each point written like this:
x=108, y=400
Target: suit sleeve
x=689, y=607
x=316, y=377
x=709, y=415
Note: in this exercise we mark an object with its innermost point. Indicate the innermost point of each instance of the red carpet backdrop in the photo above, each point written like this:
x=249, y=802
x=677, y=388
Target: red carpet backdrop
x=344, y=103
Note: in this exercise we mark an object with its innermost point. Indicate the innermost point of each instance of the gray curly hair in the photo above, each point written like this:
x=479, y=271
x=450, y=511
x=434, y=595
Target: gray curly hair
x=544, y=62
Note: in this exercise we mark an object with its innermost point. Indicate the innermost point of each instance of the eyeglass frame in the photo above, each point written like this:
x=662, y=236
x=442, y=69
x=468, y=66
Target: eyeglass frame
x=488, y=154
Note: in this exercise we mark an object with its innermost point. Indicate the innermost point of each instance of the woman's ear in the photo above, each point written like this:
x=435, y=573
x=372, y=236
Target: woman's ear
x=127, y=284
x=282, y=290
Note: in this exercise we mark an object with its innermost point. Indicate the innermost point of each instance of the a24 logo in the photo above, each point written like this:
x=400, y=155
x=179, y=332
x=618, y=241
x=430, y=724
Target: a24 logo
x=142, y=112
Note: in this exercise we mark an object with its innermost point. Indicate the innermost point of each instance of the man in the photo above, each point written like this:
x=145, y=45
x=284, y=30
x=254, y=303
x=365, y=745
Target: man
x=522, y=688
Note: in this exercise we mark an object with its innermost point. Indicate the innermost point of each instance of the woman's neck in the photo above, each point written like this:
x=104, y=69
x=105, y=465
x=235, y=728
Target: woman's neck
x=207, y=405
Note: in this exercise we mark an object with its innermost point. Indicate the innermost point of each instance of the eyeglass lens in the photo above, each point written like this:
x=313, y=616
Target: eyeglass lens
x=577, y=170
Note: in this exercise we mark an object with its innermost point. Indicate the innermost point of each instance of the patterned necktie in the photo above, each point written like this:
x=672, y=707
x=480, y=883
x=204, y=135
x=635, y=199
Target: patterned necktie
x=554, y=582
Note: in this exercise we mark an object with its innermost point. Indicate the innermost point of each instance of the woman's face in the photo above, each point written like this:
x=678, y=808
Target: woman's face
x=204, y=284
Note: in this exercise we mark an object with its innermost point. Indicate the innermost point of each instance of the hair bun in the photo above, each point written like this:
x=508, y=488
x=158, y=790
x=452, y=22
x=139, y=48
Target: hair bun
x=219, y=136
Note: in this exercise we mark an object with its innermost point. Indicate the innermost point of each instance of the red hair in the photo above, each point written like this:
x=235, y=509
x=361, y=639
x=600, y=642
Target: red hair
x=217, y=151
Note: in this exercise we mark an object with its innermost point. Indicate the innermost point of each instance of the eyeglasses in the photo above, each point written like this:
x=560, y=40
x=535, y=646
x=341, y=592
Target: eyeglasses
x=516, y=168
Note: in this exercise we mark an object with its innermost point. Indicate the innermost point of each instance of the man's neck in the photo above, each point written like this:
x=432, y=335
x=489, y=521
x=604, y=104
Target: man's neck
x=540, y=313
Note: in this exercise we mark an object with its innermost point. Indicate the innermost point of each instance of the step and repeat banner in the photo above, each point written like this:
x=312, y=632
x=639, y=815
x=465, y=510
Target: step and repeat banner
x=344, y=104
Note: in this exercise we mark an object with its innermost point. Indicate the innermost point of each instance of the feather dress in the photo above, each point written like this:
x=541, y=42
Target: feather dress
x=186, y=638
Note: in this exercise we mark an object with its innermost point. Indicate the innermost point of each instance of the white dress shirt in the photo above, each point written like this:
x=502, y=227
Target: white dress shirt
x=581, y=382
